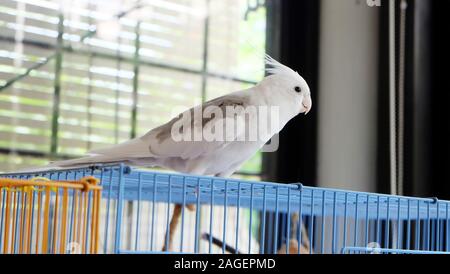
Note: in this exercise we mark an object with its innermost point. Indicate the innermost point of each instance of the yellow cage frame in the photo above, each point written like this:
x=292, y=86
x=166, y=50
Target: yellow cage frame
x=40, y=208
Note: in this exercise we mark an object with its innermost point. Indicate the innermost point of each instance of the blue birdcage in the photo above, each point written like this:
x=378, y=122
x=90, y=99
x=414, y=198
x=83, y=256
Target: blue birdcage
x=220, y=215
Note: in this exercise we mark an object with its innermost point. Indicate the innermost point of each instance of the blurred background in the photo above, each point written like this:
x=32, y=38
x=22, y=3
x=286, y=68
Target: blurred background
x=77, y=75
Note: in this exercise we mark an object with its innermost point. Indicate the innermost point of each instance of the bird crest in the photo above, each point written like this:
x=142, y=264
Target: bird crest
x=273, y=67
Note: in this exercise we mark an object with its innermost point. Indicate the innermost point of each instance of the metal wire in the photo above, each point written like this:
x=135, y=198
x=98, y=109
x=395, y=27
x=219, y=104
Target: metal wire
x=29, y=225
x=401, y=95
x=392, y=98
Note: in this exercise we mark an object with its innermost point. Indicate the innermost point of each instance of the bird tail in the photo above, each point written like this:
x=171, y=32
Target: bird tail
x=88, y=160
x=73, y=163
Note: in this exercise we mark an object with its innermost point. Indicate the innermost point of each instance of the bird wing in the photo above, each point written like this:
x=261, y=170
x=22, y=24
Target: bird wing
x=159, y=142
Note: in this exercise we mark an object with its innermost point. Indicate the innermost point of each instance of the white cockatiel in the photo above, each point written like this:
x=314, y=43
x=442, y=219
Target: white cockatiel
x=283, y=89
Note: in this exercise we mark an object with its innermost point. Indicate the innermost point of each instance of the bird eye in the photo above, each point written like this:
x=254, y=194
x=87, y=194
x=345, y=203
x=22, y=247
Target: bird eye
x=298, y=89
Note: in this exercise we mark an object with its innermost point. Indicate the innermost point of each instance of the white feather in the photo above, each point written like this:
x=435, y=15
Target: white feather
x=276, y=68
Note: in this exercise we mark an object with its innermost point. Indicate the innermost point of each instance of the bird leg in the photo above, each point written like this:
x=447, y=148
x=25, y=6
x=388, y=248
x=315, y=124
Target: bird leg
x=173, y=226
x=178, y=210
x=305, y=247
x=293, y=248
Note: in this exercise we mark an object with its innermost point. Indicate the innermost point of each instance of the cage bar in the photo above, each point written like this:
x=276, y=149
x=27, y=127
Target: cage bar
x=37, y=215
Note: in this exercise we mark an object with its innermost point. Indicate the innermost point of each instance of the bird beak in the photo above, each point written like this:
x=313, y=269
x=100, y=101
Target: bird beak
x=307, y=104
x=307, y=109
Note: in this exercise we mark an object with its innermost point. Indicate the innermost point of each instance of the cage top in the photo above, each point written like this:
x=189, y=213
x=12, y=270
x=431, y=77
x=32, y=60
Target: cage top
x=123, y=182
x=133, y=173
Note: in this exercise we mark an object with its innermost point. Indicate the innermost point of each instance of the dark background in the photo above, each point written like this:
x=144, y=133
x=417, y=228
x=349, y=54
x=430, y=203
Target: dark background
x=427, y=127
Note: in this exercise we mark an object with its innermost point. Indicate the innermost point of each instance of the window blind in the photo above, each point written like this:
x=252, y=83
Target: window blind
x=171, y=54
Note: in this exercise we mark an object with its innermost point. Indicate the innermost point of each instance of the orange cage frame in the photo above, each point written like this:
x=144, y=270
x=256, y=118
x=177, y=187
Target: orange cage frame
x=37, y=213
